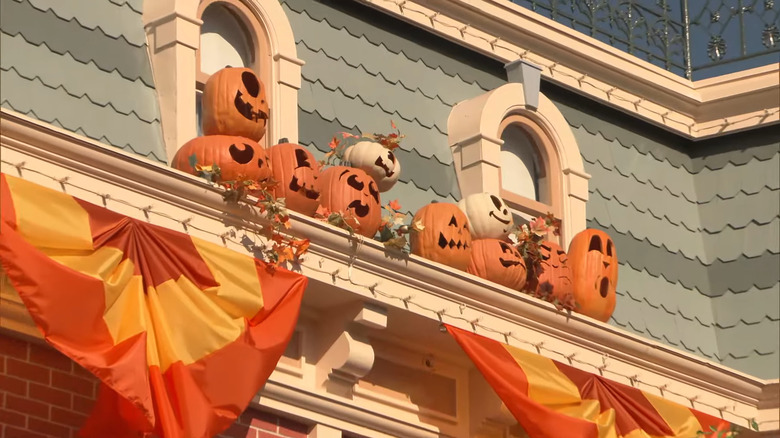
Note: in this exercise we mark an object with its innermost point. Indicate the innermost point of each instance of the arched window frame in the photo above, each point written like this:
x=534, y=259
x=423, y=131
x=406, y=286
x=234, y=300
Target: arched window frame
x=474, y=131
x=173, y=32
x=550, y=190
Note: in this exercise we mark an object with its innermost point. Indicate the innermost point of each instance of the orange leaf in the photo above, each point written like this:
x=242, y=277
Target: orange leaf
x=392, y=124
x=394, y=205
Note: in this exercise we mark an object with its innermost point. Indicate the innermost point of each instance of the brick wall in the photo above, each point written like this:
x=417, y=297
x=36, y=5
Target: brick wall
x=44, y=394
x=258, y=424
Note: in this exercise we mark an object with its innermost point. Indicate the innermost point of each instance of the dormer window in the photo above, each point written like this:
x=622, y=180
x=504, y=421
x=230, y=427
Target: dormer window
x=526, y=154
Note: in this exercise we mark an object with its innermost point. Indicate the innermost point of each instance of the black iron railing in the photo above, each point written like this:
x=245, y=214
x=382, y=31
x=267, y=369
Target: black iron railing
x=692, y=38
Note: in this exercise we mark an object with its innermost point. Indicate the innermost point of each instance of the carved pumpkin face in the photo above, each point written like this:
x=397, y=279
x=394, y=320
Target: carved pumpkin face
x=555, y=278
x=488, y=215
x=499, y=262
x=297, y=174
x=377, y=161
x=353, y=192
x=446, y=238
x=234, y=103
x=237, y=157
x=594, y=265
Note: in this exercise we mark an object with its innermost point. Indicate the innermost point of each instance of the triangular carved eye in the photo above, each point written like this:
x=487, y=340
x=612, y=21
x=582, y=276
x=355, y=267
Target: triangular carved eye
x=496, y=202
x=302, y=158
x=453, y=222
x=391, y=156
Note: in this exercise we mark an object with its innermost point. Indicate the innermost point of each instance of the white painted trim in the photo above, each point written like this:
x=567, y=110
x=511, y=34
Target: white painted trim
x=505, y=31
x=472, y=127
x=428, y=285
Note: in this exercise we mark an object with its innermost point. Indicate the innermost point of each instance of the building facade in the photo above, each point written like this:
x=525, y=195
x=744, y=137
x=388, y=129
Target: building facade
x=491, y=95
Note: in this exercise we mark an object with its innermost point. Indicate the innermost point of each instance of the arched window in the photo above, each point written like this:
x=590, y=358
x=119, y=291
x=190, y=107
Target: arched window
x=231, y=36
x=530, y=169
x=524, y=153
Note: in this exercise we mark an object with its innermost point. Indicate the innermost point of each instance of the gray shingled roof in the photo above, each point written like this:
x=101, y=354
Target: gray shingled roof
x=697, y=227
x=83, y=66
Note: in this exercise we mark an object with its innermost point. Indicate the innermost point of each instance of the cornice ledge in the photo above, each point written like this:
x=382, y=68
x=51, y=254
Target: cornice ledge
x=125, y=170
x=501, y=29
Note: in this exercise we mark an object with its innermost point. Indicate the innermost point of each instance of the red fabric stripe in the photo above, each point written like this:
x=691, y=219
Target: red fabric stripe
x=707, y=421
x=509, y=381
x=158, y=254
x=7, y=210
x=632, y=409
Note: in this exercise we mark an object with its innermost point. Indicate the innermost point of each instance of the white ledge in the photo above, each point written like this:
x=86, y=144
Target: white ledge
x=426, y=285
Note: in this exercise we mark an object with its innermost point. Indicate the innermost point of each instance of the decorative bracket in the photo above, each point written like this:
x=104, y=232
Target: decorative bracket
x=348, y=354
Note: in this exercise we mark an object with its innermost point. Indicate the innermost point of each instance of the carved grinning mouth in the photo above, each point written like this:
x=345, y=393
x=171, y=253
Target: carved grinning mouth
x=444, y=243
x=245, y=109
x=505, y=222
x=381, y=163
x=508, y=263
x=295, y=186
x=360, y=209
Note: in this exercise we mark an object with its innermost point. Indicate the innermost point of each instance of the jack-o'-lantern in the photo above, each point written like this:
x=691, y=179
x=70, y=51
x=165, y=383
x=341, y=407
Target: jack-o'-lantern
x=488, y=215
x=497, y=261
x=234, y=103
x=237, y=157
x=377, y=161
x=297, y=175
x=445, y=237
x=594, y=265
x=554, y=281
x=354, y=193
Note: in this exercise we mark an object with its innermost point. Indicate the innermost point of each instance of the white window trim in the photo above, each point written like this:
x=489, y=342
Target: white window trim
x=173, y=34
x=476, y=149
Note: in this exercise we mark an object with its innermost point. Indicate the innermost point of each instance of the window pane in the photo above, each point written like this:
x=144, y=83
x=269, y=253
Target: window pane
x=224, y=40
x=519, y=163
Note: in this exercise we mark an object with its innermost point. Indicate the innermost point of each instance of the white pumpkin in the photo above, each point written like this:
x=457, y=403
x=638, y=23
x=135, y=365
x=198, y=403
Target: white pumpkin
x=377, y=161
x=488, y=215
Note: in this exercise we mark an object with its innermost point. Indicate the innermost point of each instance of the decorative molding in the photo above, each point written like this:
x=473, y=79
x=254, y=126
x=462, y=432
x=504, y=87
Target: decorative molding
x=472, y=127
x=430, y=291
x=505, y=31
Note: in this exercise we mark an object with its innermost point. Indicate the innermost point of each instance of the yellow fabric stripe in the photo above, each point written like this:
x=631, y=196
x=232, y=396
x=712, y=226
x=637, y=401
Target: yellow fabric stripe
x=201, y=325
x=239, y=293
x=546, y=384
x=679, y=418
x=49, y=219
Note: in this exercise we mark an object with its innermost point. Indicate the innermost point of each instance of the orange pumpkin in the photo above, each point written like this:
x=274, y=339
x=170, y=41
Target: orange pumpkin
x=594, y=265
x=354, y=193
x=234, y=103
x=237, y=157
x=554, y=281
x=499, y=262
x=445, y=237
x=297, y=175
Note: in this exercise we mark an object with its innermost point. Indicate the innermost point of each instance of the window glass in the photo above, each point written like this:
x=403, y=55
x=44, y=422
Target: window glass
x=519, y=163
x=224, y=40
